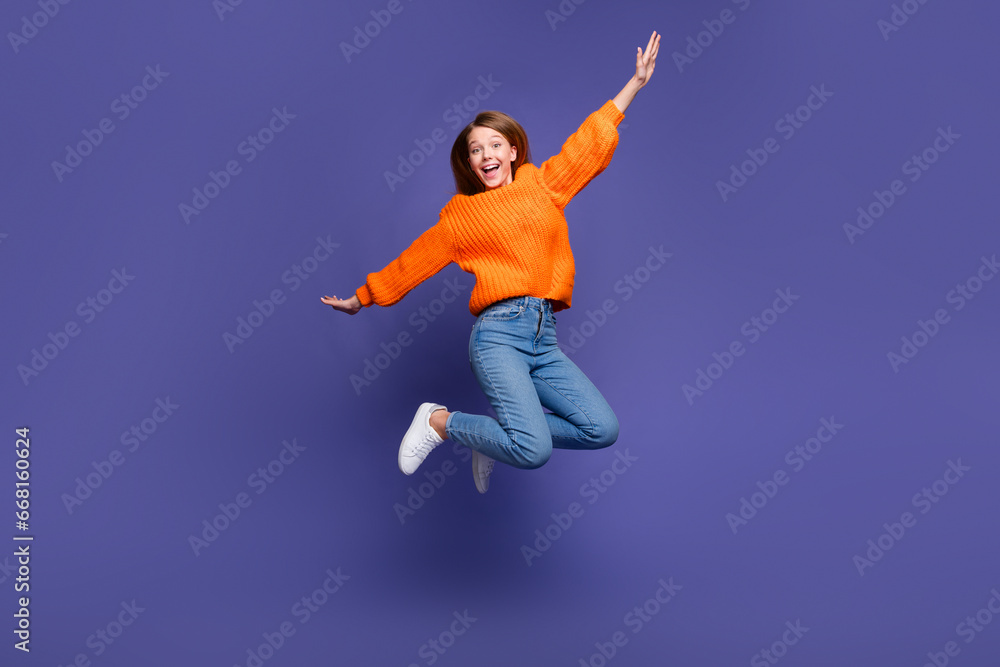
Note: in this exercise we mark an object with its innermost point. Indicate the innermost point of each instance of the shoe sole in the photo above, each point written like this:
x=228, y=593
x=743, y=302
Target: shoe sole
x=484, y=487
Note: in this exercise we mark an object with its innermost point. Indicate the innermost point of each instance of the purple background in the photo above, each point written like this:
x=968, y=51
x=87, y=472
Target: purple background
x=337, y=504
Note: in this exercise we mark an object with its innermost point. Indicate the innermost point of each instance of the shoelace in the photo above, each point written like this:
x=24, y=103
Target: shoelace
x=426, y=445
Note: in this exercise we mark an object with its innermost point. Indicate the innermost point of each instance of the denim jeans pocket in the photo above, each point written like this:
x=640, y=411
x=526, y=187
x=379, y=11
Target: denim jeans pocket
x=502, y=314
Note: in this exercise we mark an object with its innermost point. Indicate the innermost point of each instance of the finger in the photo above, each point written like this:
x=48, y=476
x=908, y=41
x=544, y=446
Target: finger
x=651, y=38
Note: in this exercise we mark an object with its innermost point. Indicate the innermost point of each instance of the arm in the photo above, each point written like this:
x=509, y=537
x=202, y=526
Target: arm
x=588, y=151
x=584, y=155
x=427, y=255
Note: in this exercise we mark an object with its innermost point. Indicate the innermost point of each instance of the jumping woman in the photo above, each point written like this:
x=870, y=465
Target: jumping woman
x=506, y=226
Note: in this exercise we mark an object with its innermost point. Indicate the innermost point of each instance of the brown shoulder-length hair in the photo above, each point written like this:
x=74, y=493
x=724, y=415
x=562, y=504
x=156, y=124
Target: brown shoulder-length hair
x=466, y=181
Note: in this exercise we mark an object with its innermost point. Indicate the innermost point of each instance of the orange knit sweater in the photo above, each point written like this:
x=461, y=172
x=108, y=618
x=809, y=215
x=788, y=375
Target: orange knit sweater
x=513, y=239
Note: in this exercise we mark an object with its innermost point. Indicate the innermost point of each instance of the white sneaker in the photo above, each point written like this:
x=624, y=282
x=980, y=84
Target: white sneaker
x=482, y=466
x=420, y=439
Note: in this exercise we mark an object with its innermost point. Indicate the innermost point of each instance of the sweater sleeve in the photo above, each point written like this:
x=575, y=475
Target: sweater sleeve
x=427, y=255
x=584, y=155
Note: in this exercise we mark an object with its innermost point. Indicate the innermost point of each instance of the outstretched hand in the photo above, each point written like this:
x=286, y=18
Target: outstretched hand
x=645, y=62
x=349, y=306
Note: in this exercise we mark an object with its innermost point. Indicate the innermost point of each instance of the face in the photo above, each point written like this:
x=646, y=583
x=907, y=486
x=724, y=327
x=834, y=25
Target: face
x=487, y=148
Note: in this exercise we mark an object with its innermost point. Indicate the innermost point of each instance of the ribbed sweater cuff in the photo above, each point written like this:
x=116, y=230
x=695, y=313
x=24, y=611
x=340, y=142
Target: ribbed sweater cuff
x=610, y=113
x=364, y=295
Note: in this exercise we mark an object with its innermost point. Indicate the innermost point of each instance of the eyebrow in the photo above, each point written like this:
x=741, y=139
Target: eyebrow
x=495, y=136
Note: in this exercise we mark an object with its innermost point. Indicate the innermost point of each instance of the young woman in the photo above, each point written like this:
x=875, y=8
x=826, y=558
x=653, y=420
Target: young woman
x=507, y=227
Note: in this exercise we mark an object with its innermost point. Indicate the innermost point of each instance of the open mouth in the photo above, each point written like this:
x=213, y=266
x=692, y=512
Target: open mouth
x=491, y=170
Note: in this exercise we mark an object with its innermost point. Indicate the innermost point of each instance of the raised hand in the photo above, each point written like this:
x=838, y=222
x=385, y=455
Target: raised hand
x=645, y=62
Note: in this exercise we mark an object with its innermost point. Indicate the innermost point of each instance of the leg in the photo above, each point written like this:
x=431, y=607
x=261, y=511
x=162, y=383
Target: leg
x=581, y=417
x=500, y=356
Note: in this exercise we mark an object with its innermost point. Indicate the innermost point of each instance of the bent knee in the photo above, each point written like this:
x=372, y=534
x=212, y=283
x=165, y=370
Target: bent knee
x=535, y=456
x=605, y=432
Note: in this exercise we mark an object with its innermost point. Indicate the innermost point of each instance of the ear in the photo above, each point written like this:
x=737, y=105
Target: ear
x=513, y=152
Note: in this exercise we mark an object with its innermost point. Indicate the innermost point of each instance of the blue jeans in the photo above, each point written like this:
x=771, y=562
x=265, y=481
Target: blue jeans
x=514, y=356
